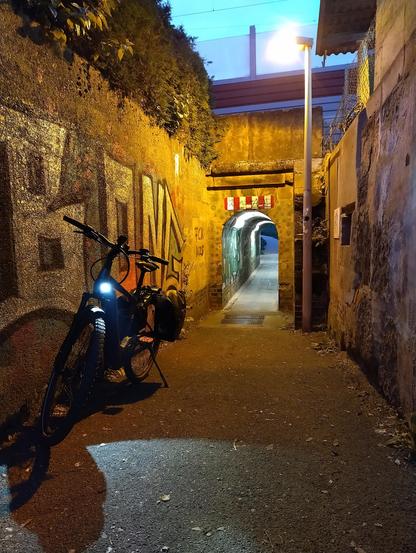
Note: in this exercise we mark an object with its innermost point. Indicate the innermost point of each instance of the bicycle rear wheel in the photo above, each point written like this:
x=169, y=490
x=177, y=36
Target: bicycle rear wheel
x=73, y=375
x=139, y=363
x=141, y=350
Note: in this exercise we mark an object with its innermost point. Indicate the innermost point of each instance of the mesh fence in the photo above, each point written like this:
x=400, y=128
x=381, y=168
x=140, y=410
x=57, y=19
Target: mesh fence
x=358, y=87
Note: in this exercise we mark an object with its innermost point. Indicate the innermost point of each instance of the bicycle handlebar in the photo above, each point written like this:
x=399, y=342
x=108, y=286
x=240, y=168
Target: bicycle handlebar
x=159, y=260
x=91, y=233
x=95, y=235
x=77, y=224
x=148, y=256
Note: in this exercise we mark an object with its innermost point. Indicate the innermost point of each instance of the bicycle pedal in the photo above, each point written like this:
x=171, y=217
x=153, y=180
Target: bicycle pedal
x=60, y=411
x=115, y=375
x=146, y=339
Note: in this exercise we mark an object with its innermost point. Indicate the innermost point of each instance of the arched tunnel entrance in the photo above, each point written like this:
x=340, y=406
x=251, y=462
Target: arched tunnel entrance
x=250, y=263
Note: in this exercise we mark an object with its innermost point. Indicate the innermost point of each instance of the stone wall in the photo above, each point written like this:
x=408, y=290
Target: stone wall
x=262, y=154
x=395, y=24
x=371, y=178
x=68, y=145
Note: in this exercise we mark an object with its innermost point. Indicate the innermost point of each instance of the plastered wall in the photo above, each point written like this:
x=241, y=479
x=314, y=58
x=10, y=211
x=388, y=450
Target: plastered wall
x=372, y=280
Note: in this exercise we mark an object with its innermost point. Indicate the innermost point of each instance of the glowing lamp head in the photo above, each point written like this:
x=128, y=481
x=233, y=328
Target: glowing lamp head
x=105, y=287
x=283, y=47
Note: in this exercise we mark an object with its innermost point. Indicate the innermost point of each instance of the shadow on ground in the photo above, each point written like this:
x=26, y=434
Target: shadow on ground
x=71, y=499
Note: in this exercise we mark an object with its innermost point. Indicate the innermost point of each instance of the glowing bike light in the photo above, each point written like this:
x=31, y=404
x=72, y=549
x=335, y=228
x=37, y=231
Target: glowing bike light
x=105, y=287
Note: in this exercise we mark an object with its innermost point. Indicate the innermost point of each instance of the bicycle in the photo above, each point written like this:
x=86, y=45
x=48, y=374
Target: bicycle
x=112, y=329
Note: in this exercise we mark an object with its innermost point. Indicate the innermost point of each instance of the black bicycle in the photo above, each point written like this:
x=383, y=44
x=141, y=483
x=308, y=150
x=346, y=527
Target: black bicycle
x=112, y=329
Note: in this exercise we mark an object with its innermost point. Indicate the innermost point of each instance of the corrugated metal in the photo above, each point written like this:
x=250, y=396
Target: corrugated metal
x=342, y=24
x=276, y=89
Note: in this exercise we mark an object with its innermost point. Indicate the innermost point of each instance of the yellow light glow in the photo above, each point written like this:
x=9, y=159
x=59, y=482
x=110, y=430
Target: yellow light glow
x=282, y=47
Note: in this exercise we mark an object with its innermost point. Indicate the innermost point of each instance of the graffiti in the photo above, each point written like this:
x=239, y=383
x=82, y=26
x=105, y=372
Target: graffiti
x=199, y=237
x=48, y=171
x=161, y=232
x=120, y=209
x=38, y=252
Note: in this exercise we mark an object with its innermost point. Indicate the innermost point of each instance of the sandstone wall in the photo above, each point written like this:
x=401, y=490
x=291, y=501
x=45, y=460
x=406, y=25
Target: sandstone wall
x=68, y=145
x=261, y=154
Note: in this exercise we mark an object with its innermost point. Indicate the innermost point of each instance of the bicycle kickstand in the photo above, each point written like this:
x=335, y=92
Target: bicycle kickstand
x=162, y=376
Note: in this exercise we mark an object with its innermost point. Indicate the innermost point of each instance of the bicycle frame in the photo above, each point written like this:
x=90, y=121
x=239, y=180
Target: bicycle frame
x=104, y=291
x=105, y=334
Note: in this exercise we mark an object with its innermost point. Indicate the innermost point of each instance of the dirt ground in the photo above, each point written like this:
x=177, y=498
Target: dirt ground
x=266, y=441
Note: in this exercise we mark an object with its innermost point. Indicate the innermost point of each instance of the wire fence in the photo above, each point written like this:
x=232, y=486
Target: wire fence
x=358, y=87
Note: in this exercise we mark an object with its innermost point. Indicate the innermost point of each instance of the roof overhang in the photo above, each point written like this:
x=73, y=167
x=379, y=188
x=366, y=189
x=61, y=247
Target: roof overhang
x=343, y=24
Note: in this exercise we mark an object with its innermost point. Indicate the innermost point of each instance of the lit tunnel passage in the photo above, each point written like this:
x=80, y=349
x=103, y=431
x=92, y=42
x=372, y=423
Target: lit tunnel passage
x=250, y=263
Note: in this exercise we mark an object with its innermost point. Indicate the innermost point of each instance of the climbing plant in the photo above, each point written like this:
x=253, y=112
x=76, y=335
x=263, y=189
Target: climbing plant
x=164, y=73
x=135, y=46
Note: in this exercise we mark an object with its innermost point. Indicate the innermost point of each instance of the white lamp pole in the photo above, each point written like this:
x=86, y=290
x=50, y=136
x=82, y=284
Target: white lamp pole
x=307, y=191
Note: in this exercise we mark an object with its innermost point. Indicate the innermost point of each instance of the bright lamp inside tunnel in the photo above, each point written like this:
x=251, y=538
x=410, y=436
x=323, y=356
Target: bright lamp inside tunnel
x=257, y=227
x=242, y=219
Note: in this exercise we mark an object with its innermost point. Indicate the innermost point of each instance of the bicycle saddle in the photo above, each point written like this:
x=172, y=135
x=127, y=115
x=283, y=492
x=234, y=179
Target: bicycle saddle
x=147, y=266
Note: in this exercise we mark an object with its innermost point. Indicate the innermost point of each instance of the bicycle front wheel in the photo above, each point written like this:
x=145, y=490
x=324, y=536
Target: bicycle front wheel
x=73, y=375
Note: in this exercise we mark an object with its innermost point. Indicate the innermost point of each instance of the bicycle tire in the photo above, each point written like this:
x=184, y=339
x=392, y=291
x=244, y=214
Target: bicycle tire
x=73, y=376
x=138, y=365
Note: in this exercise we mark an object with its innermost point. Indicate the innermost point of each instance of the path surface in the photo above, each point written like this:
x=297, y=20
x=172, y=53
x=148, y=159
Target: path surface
x=259, y=292
x=260, y=445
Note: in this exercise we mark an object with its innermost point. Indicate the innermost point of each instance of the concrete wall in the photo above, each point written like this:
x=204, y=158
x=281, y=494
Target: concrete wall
x=395, y=24
x=373, y=296
x=262, y=154
x=68, y=145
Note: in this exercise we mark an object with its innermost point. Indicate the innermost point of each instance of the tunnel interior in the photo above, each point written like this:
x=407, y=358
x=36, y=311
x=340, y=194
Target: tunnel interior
x=250, y=262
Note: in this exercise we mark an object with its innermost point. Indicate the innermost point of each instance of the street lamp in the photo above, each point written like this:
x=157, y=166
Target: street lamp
x=306, y=43
x=282, y=47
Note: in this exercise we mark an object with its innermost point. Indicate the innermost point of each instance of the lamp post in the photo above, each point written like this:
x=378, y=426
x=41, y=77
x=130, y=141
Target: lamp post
x=284, y=47
x=306, y=44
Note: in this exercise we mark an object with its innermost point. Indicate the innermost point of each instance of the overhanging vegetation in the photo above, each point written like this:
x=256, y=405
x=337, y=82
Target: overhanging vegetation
x=143, y=56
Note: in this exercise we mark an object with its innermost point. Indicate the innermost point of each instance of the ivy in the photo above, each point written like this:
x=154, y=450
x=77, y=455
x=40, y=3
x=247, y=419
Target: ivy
x=135, y=46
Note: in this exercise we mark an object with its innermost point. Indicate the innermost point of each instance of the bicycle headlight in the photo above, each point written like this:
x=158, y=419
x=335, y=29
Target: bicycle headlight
x=105, y=287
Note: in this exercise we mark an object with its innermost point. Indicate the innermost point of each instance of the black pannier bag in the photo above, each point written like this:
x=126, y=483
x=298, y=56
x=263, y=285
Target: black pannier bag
x=170, y=314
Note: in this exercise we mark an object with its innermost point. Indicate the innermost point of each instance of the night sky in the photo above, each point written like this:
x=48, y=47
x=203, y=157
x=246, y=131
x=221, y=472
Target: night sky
x=218, y=21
